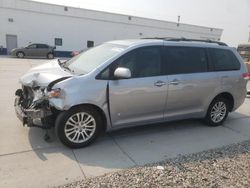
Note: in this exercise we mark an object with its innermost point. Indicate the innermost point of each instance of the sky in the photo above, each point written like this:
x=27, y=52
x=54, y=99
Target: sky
x=233, y=16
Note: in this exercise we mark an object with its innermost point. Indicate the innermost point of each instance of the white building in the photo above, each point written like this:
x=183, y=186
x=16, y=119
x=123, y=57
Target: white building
x=23, y=22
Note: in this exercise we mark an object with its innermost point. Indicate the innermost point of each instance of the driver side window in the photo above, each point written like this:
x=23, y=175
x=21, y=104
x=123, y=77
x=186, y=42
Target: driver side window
x=32, y=46
x=128, y=61
x=142, y=62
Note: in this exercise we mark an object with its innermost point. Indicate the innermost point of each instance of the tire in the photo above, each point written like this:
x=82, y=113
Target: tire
x=50, y=55
x=215, y=118
x=20, y=54
x=78, y=135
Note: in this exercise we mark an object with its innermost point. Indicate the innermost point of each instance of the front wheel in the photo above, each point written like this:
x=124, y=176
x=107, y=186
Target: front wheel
x=78, y=127
x=20, y=54
x=217, y=112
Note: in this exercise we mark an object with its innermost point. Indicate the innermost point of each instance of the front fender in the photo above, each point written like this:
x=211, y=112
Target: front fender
x=77, y=91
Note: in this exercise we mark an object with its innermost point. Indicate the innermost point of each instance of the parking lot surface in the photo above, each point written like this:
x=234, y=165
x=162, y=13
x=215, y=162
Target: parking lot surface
x=26, y=160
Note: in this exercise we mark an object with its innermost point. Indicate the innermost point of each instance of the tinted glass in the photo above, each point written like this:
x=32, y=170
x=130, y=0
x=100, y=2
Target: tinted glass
x=90, y=44
x=32, y=46
x=58, y=41
x=42, y=46
x=179, y=60
x=142, y=62
x=224, y=60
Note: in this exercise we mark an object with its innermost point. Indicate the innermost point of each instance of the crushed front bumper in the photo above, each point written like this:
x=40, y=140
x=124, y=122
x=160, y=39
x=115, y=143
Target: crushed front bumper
x=19, y=112
x=27, y=116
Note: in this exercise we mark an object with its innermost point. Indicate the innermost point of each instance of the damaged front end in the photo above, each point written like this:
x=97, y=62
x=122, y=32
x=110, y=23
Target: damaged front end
x=32, y=104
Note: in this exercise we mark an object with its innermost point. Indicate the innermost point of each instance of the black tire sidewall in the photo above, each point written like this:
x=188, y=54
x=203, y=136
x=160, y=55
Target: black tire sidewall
x=208, y=116
x=62, y=119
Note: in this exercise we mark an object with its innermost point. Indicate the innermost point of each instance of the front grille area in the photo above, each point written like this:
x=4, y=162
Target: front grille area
x=27, y=97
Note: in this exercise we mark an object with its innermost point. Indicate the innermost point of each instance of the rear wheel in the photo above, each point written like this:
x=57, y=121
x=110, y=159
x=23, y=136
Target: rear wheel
x=20, y=54
x=50, y=56
x=78, y=127
x=217, y=111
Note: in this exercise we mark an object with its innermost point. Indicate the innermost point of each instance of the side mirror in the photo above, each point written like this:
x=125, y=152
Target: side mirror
x=122, y=73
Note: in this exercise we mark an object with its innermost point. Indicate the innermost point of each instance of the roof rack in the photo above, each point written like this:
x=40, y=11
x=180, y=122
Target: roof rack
x=188, y=40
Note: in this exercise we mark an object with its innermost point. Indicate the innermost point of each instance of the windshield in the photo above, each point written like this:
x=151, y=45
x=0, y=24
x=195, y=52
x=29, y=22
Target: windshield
x=91, y=59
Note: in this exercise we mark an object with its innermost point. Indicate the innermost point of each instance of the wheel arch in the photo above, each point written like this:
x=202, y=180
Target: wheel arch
x=98, y=109
x=228, y=96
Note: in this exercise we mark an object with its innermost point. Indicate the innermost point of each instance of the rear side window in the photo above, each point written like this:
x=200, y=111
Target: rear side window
x=42, y=46
x=181, y=60
x=224, y=60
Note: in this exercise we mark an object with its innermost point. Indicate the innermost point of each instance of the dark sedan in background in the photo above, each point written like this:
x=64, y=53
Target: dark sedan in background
x=34, y=50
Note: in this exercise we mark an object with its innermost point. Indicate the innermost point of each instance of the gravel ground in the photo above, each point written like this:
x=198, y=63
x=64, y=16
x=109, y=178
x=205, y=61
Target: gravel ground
x=228, y=166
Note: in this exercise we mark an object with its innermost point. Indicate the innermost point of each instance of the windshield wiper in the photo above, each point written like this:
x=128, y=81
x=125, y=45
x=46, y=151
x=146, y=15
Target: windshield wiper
x=63, y=64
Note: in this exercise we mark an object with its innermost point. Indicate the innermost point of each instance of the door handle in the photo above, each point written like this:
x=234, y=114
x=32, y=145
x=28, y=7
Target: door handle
x=174, y=82
x=160, y=83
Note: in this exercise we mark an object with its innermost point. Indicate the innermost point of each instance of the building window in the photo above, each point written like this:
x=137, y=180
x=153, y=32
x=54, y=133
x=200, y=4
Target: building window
x=10, y=19
x=90, y=44
x=58, y=41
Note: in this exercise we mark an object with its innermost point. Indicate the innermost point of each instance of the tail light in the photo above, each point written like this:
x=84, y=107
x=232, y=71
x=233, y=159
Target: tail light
x=246, y=76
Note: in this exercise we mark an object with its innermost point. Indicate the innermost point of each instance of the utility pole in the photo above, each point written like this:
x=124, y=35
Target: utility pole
x=179, y=19
x=249, y=35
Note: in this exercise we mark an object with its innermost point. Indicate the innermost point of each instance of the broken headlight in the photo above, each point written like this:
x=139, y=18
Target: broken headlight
x=54, y=93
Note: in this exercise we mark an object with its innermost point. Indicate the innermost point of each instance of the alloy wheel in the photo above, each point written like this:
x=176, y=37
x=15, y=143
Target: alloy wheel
x=80, y=127
x=218, y=112
x=20, y=55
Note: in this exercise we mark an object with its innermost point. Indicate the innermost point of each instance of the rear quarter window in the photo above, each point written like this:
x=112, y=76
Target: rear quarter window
x=224, y=60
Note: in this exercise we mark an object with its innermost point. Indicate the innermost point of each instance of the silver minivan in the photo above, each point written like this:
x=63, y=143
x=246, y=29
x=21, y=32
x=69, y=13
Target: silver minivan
x=132, y=82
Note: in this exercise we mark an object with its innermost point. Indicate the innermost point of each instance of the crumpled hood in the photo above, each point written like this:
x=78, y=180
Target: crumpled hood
x=44, y=74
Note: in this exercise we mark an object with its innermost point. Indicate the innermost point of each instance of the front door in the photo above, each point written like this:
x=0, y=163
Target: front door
x=11, y=42
x=31, y=50
x=141, y=98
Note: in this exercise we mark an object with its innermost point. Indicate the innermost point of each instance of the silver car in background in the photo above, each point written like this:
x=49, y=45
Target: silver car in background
x=132, y=82
x=34, y=50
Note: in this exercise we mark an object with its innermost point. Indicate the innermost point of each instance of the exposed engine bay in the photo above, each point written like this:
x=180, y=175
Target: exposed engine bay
x=32, y=103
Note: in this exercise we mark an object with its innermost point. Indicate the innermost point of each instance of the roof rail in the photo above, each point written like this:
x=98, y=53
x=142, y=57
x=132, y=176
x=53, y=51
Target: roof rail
x=188, y=40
